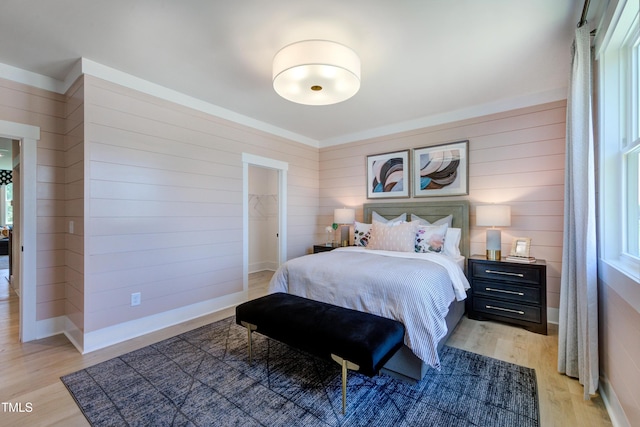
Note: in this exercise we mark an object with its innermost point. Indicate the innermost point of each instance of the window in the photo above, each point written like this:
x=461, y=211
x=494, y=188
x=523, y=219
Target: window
x=618, y=57
x=633, y=202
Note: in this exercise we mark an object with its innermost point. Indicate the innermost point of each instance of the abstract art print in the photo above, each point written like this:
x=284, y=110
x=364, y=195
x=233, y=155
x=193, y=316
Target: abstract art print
x=441, y=170
x=388, y=175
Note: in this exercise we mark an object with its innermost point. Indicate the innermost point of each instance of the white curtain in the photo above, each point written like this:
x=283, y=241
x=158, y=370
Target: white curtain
x=578, y=323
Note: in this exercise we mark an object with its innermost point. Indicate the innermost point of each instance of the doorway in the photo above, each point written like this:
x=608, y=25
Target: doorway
x=263, y=219
x=263, y=202
x=25, y=224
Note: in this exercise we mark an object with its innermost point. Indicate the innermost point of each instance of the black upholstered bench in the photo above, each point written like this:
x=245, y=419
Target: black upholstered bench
x=358, y=341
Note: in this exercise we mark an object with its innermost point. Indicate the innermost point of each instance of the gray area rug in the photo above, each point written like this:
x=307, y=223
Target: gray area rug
x=202, y=378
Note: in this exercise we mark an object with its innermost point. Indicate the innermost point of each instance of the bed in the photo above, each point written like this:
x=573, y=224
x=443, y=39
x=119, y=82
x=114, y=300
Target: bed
x=391, y=284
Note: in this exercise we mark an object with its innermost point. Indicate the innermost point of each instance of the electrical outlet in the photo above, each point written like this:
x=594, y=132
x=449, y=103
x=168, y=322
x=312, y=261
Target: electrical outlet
x=135, y=299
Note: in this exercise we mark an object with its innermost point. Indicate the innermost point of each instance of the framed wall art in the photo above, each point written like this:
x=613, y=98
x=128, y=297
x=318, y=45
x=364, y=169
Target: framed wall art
x=441, y=170
x=388, y=175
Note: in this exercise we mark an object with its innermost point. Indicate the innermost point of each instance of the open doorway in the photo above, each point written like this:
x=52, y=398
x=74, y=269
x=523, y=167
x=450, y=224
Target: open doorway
x=263, y=219
x=6, y=214
x=24, y=152
x=264, y=215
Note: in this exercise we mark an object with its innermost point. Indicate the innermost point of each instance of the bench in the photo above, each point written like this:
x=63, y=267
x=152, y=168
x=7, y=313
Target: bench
x=358, y=341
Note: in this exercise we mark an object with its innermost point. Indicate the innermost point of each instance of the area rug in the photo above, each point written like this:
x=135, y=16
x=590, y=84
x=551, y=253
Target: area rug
x=203, y=378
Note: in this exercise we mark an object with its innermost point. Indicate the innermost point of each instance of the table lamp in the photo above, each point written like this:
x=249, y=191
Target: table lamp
x=493, y=216
x=344, y=216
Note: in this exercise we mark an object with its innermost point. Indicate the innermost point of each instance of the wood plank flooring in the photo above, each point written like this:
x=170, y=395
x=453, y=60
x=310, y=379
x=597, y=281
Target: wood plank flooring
x=30, y=373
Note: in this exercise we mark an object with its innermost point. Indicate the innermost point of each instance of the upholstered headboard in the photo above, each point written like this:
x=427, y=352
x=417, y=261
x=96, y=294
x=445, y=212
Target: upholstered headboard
x=431, y=211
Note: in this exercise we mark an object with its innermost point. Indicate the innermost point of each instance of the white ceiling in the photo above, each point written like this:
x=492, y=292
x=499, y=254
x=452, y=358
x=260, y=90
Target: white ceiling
x=423, y=61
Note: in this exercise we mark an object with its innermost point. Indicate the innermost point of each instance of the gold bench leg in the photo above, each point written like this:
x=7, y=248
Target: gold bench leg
x=250, y=328
x=345, y=365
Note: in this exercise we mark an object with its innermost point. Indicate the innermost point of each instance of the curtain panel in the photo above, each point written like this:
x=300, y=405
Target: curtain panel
x=578, y=322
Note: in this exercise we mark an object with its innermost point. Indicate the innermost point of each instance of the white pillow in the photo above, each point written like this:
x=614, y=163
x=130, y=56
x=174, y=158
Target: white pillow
x=430, y=238
x=452, y=242
x=400, y=237
x=445, y=220
x=397, y=220
x=361, y=233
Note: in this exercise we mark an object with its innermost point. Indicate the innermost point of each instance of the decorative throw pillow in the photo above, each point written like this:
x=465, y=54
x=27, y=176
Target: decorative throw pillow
x=452, y=242
x=445, y=220
x=361, y=234
x=375, y=216
x=400, y=237
x=430, y=238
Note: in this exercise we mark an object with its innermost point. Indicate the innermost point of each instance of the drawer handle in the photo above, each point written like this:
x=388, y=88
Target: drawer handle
x=504, y=273
x=490, y=307
x=505, y=291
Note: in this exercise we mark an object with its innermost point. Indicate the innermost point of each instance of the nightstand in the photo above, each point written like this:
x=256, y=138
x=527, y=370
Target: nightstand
x=323, y=248
x=510, y=292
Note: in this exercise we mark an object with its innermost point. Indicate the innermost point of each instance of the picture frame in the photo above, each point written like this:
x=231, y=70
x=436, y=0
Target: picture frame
x=388, y=175
x=441, y=170
x=520, y=247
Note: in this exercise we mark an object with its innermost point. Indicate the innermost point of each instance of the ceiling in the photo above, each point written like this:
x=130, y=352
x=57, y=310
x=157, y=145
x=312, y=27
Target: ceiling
x=423, y=61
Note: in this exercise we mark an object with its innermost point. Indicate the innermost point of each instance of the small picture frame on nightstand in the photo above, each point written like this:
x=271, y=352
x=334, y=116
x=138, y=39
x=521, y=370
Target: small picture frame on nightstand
x=521, y=247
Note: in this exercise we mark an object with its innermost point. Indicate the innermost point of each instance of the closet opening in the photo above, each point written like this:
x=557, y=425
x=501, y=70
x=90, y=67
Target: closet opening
x=264, y=218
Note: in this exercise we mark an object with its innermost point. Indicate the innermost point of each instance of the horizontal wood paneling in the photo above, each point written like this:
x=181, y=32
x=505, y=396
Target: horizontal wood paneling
x=619, y=349
x=24, y=104
x=516, y=157
x=164, y=202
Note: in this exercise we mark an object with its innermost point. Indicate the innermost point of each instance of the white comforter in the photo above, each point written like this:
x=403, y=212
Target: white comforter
x=415, y=289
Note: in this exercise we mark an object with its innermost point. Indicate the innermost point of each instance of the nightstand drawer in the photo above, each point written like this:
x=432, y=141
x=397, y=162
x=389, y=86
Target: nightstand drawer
x=507, y=309
x=322, y=248
x=506, y=272
x=505, y=291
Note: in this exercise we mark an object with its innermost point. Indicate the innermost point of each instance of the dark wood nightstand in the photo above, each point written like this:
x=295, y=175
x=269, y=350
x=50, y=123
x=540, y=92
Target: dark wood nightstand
x=511, y=292
x=323, y=248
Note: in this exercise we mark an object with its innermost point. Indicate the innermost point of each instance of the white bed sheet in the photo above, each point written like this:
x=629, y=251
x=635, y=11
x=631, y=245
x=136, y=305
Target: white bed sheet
x=415, y=289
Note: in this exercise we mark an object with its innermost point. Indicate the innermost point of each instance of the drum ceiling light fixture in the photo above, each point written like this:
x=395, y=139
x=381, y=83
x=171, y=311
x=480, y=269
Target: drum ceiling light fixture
x=316, y=72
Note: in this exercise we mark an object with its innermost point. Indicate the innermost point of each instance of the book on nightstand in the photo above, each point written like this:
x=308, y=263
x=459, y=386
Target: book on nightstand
x=525, y=259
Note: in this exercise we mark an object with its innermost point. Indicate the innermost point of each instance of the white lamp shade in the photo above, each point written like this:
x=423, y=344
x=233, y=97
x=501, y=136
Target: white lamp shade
x=344, y=216
x=493, y=216
x=316, y=72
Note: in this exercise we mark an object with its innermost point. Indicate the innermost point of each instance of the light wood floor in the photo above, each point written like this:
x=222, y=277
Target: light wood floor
x=30, y=373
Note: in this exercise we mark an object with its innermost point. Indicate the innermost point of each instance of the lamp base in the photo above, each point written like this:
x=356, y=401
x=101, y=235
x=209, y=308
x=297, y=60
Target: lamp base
x=493, y=254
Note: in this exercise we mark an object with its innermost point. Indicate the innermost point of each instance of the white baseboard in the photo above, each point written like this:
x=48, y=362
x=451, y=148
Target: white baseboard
x=74, y=334
x=105, y=337
x=611, y=402
x=50, y=327
x=261, y=266
x=553, y=315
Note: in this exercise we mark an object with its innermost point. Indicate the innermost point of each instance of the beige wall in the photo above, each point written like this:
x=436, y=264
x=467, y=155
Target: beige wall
x=620, y=344
x=74, y=210
x=27, y=105
x=164, y=203
x=515, y=158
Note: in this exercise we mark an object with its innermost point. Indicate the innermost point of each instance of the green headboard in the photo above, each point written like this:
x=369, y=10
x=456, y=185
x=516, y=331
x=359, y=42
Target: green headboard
x=431, y=211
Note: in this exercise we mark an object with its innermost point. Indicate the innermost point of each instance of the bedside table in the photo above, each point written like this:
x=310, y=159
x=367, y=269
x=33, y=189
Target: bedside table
x=510, y=292
x=323, y=248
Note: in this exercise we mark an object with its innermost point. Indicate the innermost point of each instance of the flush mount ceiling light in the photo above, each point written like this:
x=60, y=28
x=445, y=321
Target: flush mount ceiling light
x=316, y=72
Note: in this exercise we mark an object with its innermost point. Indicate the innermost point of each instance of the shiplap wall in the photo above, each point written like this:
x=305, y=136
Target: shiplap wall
x=516, y=158
x=36, y=107
x=164, y=202
x=74, y=209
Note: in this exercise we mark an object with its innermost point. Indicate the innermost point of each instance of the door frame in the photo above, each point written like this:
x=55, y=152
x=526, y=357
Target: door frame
x=282, y=168
x=28, y=137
